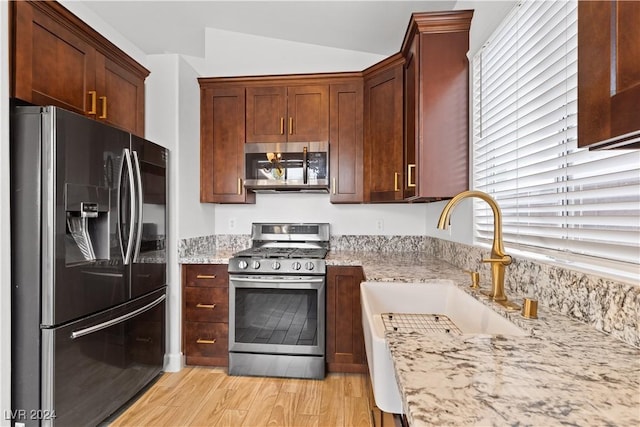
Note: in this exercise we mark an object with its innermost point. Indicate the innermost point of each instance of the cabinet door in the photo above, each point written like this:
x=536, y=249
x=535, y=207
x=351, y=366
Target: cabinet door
x=411, y=118
x=346, y=143
x=383, y=133
x=120, y=96
x=267, y=114
x=51, y=65
x=442, y=102
x=608, y=73
x=308, y=113
x=345, y=338
x=222, y=146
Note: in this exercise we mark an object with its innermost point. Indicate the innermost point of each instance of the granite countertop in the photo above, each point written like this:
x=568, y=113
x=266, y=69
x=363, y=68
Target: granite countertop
x=563, y=372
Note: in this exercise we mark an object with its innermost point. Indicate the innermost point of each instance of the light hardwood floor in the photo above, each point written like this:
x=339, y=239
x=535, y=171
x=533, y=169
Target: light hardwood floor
x=200, y=396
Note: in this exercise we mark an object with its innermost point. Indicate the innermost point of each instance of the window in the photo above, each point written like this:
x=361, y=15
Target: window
x=578, y=205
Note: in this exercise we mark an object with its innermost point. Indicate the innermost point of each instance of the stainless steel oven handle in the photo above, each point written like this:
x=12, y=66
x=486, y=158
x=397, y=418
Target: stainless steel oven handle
x=120, y=319
x=279, y=279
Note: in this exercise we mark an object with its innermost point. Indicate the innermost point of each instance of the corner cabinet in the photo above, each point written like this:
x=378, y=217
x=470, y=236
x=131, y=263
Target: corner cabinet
x=383, y=131
x=609, y=74
x=345, y=338
x=222, y=138
x=205, y=314
x=436, y=95
x=57, y=59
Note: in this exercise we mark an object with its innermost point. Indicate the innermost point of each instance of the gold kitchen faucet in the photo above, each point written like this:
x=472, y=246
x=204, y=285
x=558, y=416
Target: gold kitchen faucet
x=499, y=259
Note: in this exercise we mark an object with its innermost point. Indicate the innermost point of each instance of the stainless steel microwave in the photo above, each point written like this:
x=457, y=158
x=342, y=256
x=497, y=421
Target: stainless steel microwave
x=289, y=166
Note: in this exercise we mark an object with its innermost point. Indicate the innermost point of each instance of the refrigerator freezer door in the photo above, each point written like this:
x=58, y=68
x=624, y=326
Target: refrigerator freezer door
x=117, y=352
x=148, y=270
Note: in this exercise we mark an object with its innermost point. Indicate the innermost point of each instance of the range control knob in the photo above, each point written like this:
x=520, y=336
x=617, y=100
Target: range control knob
x=309, y=265
x=242, y=265
x=296, y=265
x=255, y=265
x=275, y=265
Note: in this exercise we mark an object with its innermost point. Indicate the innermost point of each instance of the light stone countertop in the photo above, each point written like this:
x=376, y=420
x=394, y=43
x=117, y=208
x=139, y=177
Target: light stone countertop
x=563, y=373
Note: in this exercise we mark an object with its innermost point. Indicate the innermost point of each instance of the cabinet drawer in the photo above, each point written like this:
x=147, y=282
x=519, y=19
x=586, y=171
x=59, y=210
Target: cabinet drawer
x=206, y=275
x=206, y=304
x=206, y=339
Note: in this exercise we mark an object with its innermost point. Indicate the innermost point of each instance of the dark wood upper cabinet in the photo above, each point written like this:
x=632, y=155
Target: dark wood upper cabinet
x=436, y=99
x=383, y=131
x=57, y=59
x=397, y=131
x=346, y=149
x=609, y=74
x=222, y=139
x=281, y=114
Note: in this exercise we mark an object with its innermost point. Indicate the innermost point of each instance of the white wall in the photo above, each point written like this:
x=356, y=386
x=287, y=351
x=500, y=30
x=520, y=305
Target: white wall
x=172, y=120
x=5, y=229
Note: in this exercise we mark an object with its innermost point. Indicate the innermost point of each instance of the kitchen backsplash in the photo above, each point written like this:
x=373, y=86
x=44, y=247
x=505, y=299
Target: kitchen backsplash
x=610, y=306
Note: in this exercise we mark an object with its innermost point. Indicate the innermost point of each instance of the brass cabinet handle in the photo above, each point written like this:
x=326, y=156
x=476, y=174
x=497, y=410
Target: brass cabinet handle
x=395, y=181
x=104, y=107
x=290, y=125
x=206, y=276
x=239, y=186
x=410, y=175
x=93, y=94
x=334, y=185
x=203, y=341
x=281, y=125
x=211, y=306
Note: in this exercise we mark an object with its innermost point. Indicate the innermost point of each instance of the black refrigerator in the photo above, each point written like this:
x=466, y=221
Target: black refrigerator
x=88, y=269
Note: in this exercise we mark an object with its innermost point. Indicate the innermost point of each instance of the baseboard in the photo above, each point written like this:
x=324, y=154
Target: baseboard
x=173, y=362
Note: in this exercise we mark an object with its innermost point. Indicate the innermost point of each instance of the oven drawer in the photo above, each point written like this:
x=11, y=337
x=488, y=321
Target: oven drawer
x=206, y=275
x=206, y=304
x=206, y=339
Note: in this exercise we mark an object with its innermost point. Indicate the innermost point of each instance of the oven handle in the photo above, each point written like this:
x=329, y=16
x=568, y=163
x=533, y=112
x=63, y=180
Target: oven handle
x=279, y=279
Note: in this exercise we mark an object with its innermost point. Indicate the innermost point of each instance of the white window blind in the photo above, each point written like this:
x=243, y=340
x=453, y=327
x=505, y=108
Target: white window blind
x=553, y=196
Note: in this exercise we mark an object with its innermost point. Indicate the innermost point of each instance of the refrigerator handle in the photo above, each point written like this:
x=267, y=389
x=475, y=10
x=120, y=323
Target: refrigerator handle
x=115, y=321
x=126, y=254
x=140, y=203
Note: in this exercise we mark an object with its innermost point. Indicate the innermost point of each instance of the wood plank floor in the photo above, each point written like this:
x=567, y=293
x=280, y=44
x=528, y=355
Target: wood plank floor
x=200, y=396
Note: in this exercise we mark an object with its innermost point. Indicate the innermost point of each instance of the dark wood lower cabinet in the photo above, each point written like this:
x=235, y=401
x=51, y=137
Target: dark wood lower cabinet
x=345, y=339
x=205, y=311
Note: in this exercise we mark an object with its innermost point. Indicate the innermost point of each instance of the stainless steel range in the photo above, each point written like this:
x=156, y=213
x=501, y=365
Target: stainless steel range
x=277, y=302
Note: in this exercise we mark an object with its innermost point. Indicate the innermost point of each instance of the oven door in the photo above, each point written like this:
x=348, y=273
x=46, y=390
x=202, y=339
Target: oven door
x=277, y=314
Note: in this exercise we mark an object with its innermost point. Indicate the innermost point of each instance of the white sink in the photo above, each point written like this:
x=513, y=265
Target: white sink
x=435, y=297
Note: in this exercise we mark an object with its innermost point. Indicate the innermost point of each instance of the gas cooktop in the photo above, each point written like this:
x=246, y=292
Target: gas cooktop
x=269, y=252
x=284, y=248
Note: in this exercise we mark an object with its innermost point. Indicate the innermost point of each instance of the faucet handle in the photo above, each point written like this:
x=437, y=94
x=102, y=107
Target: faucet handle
x=475, y=279
x=505, y=260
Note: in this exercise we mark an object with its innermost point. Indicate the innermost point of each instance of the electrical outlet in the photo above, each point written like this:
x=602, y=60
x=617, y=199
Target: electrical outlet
x=232, y=223
x=380, y=224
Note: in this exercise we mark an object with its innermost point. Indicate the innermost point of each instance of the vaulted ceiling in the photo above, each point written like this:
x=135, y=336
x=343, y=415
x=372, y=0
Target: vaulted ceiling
x=178, y=26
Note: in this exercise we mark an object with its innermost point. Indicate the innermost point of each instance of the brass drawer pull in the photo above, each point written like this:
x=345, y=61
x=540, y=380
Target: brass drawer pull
x=281, y=125
x=202, y=341
x=211, y=306
x=395, y=181
x=206, y=276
